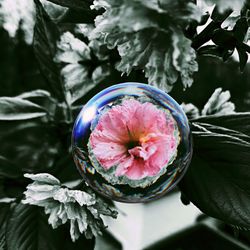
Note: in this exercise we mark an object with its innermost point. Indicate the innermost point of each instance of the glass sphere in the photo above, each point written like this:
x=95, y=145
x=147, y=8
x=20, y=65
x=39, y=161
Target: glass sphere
x=131, y=142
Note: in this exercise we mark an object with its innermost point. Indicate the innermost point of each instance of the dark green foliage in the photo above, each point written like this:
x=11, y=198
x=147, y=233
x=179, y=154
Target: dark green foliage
x=44, y=87
x=27, y=228
x=218, y=178
x=46, y=34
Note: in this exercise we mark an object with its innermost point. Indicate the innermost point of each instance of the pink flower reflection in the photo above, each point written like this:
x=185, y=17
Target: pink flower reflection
x=138, y=138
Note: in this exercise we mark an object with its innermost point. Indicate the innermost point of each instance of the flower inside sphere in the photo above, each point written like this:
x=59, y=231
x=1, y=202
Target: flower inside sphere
x=137, y=139
x=131, y=142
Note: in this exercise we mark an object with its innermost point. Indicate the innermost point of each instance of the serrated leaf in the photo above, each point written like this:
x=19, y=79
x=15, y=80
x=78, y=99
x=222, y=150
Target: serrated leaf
x=217, y=180
x=15, y=108
x=184, y=58
x=160, y=70
x=81, y=208
x=137, y=30
x=46, y=34
x=27, y=229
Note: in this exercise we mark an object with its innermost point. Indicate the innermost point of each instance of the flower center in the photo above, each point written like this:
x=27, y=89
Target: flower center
x=132, y=144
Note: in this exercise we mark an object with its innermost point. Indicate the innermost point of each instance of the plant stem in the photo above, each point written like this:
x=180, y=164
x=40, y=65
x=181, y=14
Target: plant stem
x=207, y=33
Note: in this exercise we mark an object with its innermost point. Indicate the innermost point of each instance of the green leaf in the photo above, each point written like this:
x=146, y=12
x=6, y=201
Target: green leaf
x=27, y=229
x=215, y=51
x=225, y=4
x=9, y=169
x=224, y=38
x=240, y=29
x=137, y=29
x=46, y=34
x=82, y=209
x=4, y=210
x=106, y=242
x=78, y=16
x=75, y=55
x=237, y=121
x=243, y=57
x=30, y=146
x=184, y=58
x=20, y=16
x=190, y=110
x=74, y=4
x=34, y=94
x=217, y=180
x=15, y=108
x=218, y=104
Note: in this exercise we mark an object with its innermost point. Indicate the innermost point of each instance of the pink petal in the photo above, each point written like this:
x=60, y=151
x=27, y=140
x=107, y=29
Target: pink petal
x=134, y=121
x=109, y=154
x=124, y=165
x=166, y=148
x=137, y=170
x=142, y=152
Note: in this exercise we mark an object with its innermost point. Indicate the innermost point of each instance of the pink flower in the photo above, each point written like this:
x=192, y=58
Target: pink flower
x=138, y=138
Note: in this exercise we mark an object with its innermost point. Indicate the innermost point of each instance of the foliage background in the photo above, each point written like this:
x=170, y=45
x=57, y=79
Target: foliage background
x=48, y=76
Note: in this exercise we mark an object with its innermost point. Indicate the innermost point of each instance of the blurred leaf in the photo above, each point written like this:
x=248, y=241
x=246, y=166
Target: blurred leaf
x=106, y=242
x=74, y=4
x=215, y=51
x=231, y=21
x=190, y=110
x=46, y=34
x=218, y=104
x=15, y=108
x=224, y=5
x=31, y=146
x=8, y=169
x=18, y=16
x=220, y=16
x=78, y=73
x=54, y=11
x=237, y=121
x=27, y=229
x=34, y=94
x=41, y=98
x=224, y=39
x=4, y=210
x=243, y=57
x=217, y=180
x=78, y=16
x=240, y=29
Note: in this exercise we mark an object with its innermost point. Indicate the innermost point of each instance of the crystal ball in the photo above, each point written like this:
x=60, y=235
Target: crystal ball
x=132, y=142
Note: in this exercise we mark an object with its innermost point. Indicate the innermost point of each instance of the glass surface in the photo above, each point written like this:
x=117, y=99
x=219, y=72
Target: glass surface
x=131, y=142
